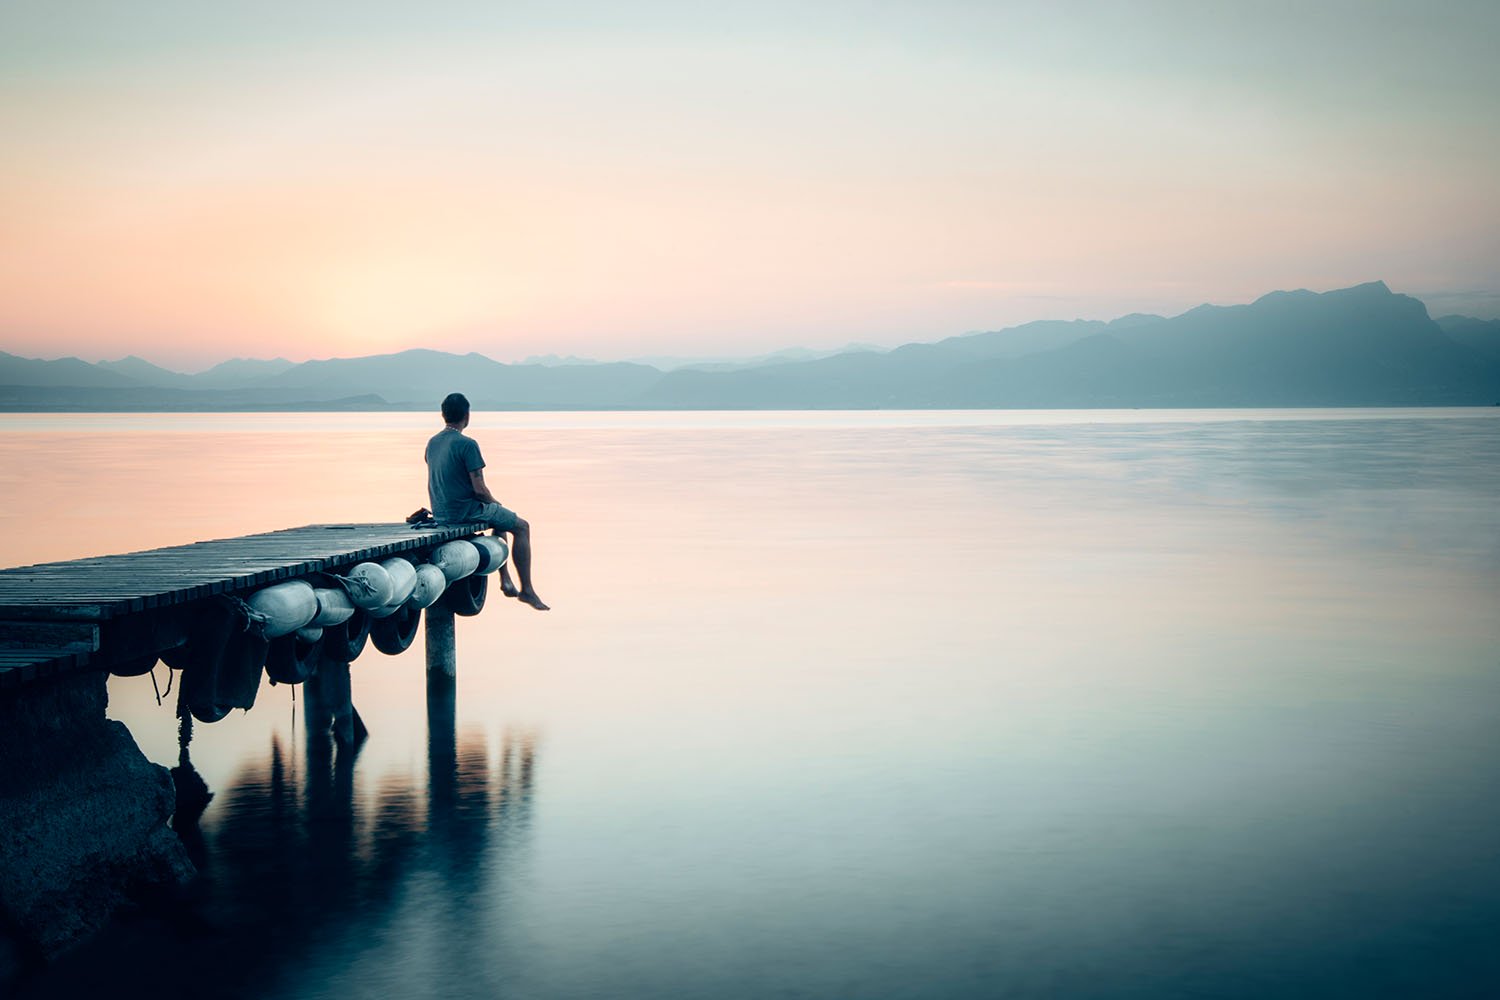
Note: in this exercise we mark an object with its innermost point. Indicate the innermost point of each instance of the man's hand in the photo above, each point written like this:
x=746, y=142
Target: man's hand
x=481, y=492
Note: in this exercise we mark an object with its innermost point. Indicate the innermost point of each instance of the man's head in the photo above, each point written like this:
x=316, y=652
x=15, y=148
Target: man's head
x=456, y=408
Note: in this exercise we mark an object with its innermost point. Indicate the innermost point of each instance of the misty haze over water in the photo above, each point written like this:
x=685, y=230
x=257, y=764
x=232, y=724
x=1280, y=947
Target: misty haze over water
x=1106, y=704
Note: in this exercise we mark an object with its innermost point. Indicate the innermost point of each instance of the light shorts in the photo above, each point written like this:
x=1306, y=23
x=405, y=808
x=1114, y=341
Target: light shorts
x=497, y=516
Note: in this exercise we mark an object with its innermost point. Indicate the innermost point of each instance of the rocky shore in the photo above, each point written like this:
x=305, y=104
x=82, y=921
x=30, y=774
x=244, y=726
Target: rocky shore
x=83, y=819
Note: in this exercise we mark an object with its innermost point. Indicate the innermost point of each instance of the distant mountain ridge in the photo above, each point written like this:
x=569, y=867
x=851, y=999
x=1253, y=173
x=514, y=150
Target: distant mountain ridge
x=1359, y=346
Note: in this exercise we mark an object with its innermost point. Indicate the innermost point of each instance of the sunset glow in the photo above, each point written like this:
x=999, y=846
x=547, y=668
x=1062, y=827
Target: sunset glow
x=190, y=185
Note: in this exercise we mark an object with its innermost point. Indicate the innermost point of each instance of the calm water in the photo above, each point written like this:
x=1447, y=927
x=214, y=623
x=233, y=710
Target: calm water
x=850, y=705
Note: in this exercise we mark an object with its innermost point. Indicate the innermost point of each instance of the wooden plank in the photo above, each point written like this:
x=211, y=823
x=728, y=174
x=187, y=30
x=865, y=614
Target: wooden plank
x=77, y=637
x=23, y=666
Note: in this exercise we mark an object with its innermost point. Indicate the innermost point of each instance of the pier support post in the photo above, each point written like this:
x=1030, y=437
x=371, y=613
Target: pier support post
x=442, y=653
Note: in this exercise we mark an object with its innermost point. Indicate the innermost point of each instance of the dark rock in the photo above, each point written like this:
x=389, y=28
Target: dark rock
x=84, y=814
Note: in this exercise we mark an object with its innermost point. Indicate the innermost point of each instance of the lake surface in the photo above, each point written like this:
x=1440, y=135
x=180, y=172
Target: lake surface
x=1052, y=704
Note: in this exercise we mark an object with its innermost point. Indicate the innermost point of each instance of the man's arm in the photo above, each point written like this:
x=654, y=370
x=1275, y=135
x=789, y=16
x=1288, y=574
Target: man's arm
x=481, y=492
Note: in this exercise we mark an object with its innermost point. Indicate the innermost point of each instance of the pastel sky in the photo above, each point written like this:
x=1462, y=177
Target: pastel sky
x=191, y=181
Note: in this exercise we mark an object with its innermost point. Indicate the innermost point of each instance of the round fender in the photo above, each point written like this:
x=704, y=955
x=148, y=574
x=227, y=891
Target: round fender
x=283, y=608
x=492, y=553
x=430, y=586
x=345, y=641
x=207, y=713
x=177, y=657
x=334, y=607
x=466, y=597
x=457, y=559
x=135, y=666
x=368, y=586
x=394, y=633
x=292, y=661
x=403, y=579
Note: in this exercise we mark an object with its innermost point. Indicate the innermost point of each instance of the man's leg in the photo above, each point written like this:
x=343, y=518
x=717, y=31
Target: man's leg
x=502, y=521
x=521, y=550
x=507, y=585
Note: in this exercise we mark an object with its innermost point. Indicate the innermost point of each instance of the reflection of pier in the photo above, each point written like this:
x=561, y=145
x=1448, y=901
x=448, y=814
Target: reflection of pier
x=85, y=813
x=305, y=867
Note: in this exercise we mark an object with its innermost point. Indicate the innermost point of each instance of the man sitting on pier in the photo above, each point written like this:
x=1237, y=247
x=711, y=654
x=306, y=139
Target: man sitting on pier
x=456, y=490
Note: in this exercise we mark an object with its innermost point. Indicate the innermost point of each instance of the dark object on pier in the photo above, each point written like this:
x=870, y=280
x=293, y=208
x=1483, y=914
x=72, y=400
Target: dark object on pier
x=240, y=670
x=225, y=663
x=206, y=644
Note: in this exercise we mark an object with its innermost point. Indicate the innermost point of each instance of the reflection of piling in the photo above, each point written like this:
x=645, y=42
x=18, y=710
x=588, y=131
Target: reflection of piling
x=329, y=704
x=442, y=653
x=442, y=743
x=442, y=714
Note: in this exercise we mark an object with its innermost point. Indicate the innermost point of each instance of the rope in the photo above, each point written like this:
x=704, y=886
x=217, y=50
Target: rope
x=251, y=616
x=366, y=588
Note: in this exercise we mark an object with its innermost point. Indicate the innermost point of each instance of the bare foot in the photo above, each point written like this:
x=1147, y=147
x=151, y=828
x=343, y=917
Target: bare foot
x=507, y=585
x=529, y=597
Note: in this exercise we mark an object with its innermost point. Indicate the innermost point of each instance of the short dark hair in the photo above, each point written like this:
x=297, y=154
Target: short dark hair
x=455, y=407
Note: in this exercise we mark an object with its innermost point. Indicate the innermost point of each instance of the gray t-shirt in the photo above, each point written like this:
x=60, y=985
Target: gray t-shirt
x=450, y=458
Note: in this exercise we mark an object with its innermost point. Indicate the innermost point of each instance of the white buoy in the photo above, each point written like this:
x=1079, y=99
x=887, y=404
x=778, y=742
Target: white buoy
x=310, y=634
x=492, y=553
x=368, y=586
x=334, y=607
x=456, y=559
x=282, y=608
x=403, y=578
x=429, y=586
x=386, y=611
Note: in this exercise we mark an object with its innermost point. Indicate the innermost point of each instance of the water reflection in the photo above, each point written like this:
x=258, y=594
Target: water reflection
x=193, y=795
x=1179, y=708
x=303, y=862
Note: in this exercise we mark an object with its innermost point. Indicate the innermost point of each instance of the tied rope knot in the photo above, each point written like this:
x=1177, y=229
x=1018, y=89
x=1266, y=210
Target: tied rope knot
x=254, y=620
x=365, y=587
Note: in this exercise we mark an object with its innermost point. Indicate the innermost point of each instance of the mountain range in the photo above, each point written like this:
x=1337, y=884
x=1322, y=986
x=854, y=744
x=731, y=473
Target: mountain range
x=1359, y=346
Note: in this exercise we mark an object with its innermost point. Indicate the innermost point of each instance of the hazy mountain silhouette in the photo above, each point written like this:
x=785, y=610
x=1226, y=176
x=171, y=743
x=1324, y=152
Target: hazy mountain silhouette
x=145, y=372
x=422, y=377
x=1483, y=335
x=237, y=373
x=786, y=354
x=1355, y=346
x=240, y=373
x=62, y=372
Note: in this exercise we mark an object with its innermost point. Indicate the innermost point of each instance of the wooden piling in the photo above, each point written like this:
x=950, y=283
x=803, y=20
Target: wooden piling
x=442, y=653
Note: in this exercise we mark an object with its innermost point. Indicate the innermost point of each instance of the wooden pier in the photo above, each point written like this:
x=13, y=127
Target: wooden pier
x=84, y=813
x=100, y=612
